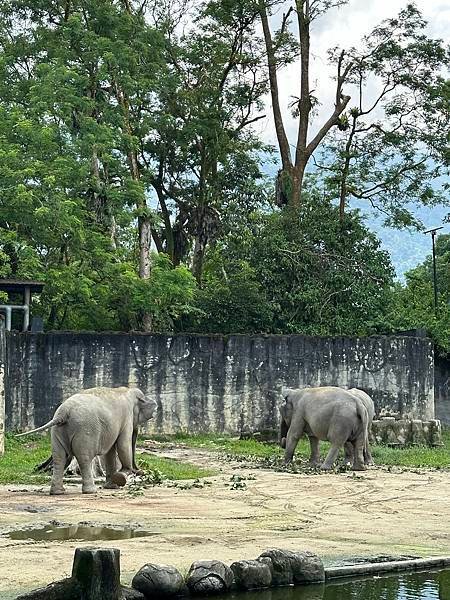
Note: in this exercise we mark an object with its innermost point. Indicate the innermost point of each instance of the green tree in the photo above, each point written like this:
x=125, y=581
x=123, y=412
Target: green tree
x=311, y=274
x=76, y=81
x=412, y=304
x=212, y=96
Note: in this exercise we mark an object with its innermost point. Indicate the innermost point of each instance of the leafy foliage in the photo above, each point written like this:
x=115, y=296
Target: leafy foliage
x=412, y=305
x=303, y=272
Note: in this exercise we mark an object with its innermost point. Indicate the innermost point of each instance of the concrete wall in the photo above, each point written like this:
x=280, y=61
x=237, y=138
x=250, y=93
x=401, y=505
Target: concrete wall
x=2, y=391
x=214, y=383
x=442, y=389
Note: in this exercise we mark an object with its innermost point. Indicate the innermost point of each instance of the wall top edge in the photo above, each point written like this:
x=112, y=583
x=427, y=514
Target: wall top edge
x=214, y=336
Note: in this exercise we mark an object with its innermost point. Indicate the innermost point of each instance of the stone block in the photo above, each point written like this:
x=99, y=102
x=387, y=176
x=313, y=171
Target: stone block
x=209, y=577
x=294, y=567
x=252, y=574
x=128, y=593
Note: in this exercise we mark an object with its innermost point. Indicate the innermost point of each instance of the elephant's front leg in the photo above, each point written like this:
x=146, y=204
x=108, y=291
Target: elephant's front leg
x=314, y=459
x=358, y=462
x=368, y=460
x=294, y=434
x=111, y=467
x=124, y=446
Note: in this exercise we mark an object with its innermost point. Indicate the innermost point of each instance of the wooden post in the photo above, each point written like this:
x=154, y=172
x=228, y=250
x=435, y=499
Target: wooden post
x=97, y=571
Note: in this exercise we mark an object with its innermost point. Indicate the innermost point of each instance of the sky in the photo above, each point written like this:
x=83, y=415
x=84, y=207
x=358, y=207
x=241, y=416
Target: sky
x=345, y=27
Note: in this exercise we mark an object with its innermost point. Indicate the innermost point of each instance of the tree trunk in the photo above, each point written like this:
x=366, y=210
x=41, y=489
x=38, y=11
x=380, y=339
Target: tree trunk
x=197, y=259
x=145, y=267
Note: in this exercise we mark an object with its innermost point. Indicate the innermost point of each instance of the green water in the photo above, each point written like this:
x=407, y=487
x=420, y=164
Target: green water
x=416, y=586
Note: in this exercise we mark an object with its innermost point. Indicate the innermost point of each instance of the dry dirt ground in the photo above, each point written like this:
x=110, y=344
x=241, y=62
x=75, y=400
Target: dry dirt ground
x=335, y=515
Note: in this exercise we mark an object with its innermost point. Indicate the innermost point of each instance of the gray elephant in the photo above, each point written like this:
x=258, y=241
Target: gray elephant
x=99, y=421
x=324, y=413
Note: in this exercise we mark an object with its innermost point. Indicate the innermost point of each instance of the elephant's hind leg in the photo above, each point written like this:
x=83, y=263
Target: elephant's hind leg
x=60, y=459
x=314, y=459
x=85, y=464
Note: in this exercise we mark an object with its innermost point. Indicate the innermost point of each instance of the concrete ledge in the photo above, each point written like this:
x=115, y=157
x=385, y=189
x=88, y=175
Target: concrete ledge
x=395, y=566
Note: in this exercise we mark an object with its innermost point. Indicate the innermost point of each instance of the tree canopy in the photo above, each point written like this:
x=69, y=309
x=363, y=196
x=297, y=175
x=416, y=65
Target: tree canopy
x=132, y=176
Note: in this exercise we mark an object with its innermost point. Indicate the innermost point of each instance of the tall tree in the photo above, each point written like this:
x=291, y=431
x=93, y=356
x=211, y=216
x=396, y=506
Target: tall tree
x=214, y=93
x=77, y=83
x=399, y=59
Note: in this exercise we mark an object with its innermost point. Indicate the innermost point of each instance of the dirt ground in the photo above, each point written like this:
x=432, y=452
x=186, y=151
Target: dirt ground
x=335, y=515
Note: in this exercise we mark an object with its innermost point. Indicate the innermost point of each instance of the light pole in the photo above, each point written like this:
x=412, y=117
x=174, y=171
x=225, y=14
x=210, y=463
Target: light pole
x=433, y=235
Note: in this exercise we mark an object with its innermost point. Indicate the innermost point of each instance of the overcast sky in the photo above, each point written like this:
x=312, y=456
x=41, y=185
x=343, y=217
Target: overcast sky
x=345, y=27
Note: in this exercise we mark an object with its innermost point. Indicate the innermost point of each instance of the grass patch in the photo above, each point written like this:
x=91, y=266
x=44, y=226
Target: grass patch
x=22, y=455
x=411, y=457
x=172, y=469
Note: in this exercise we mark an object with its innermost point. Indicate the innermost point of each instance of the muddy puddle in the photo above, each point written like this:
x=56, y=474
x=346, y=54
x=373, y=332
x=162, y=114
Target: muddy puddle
x=81, y=532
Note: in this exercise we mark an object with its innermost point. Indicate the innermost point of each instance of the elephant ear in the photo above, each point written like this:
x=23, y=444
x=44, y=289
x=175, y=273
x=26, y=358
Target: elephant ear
x=285, y=393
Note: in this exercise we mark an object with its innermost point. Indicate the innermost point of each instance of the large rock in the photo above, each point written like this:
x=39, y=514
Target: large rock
x=158, y=581
x=252, y=574
x=209, y=577
x=293, y=567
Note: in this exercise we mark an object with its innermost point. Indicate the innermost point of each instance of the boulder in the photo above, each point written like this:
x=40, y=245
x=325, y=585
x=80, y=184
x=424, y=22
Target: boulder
x=252, y=574
x=209, y=577
x=158, y=581
x=289, y=568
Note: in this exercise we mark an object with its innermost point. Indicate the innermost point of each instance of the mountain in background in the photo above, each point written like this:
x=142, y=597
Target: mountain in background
x=407, y=248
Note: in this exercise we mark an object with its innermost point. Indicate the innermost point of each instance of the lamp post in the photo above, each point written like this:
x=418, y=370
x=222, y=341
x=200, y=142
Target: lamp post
x=433, y=235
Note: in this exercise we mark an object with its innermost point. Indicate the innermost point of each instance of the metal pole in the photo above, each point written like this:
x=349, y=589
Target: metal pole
x=8, y=318
x=433, y=235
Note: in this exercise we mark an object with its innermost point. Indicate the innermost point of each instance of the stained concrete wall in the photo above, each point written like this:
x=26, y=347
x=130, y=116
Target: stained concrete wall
x=2, y=391
x=214, y=383
x=442, y=389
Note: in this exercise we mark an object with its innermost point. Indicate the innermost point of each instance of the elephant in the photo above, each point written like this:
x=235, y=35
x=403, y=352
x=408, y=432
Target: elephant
x=99, y=463
x=98, y=421
x=324, y=413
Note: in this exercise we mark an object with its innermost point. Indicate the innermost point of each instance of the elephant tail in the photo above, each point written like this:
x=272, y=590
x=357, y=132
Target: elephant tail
x=55, y=422
x=364, y=416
